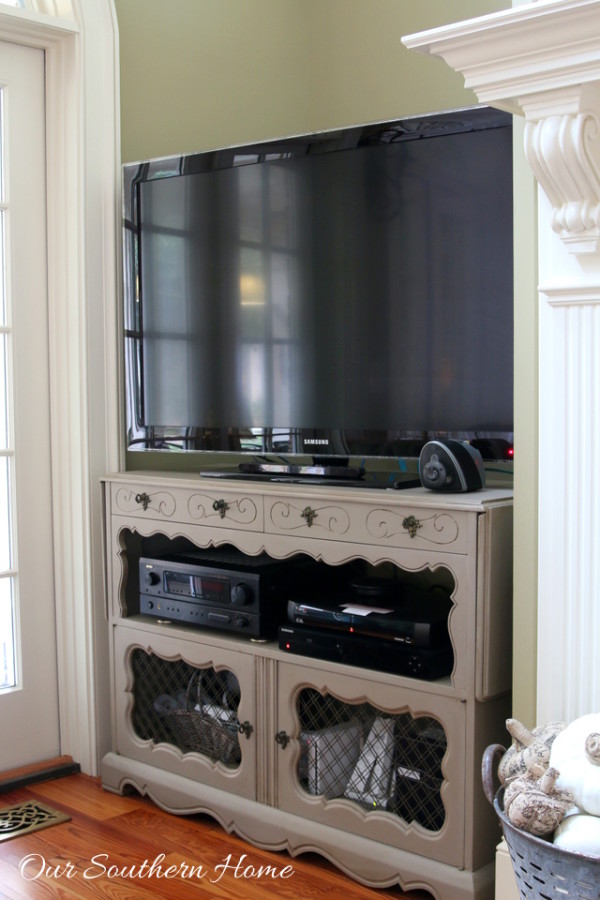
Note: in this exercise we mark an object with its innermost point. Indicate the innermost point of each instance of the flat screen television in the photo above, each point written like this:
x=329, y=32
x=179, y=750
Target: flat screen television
x=336, y=299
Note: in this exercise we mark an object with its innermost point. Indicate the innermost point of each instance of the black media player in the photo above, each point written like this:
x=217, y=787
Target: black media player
x=390, y=656
x=419, y=619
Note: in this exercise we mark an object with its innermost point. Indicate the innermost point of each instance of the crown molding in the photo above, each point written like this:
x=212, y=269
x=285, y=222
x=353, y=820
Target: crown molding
x=540, y=60
x=529, y=49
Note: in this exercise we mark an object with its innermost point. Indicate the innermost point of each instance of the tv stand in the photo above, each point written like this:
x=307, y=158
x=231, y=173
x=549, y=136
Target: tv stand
x=388, y=482
x=317, y=473
x=321, y=467
x=429, y=824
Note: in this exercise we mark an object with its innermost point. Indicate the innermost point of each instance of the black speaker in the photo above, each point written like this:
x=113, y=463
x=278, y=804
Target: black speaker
x=451, y=466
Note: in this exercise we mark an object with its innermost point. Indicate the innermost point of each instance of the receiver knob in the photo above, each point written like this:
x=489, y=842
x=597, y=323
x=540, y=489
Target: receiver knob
x=241, y=594
x=152, y=578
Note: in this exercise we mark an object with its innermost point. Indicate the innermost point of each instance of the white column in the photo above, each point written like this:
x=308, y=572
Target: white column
x=569, y=480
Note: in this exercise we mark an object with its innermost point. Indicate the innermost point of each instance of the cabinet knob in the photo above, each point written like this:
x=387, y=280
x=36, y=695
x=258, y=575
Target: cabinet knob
x=309, y=515
x=221, y=506
x=143, y=499
x=411, y=524
x=245, y=728
x=282, y=739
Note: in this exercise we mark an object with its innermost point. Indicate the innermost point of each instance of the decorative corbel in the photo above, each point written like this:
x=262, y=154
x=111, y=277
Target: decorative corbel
x=563, y=151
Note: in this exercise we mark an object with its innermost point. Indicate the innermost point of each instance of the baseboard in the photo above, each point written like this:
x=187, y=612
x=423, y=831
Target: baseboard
x=13, y=779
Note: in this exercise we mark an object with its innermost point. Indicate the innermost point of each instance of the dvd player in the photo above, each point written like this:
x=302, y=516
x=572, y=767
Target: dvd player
x=420, y=619
x=367, y=652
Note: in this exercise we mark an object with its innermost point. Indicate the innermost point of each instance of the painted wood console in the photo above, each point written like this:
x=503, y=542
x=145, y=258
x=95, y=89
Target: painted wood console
x=395, y=796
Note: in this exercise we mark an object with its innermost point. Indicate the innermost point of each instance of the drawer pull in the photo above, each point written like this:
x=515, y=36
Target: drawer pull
x=309, y=515
x=245, y=728
x=411, y=524
x=221, y=507
x=144, y=499
x=282, y=739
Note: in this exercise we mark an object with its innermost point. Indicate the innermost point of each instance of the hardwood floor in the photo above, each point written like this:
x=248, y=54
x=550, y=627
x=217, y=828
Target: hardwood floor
x=111, y=843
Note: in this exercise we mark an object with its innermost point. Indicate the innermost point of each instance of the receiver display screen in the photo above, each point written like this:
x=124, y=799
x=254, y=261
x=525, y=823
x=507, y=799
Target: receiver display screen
x=212, y=587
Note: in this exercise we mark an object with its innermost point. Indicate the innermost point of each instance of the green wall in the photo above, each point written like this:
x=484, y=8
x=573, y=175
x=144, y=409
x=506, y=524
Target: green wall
x=360, y=71
x=201, y=74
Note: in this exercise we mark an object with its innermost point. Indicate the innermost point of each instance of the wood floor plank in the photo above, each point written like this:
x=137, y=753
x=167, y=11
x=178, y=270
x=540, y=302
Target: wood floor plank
x=123, y=848
x=83, y=795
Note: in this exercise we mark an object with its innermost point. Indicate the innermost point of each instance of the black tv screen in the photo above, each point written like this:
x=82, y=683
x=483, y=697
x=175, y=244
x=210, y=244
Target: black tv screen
x=346, y=293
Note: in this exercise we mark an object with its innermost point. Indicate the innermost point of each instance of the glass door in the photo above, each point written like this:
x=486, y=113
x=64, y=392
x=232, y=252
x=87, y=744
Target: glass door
x=28, y=672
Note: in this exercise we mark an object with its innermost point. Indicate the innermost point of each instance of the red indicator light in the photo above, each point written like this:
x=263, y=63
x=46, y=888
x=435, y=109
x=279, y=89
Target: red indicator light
x=351, y=629
x=287, y=646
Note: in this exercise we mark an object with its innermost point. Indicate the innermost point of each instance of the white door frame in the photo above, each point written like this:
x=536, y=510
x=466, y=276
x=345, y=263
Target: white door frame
x=80, y=41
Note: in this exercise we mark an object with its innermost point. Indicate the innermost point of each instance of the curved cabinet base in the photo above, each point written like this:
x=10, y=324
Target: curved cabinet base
x=370, y=862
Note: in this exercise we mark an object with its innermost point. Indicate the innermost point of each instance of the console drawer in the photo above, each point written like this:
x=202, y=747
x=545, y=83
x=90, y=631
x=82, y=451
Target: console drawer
x=219, y=509
x=399, y=527
x=312, y=517
x=417, y=528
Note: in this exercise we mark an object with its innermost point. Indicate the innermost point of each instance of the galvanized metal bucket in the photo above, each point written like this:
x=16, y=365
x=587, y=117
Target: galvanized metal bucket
x=542, y=870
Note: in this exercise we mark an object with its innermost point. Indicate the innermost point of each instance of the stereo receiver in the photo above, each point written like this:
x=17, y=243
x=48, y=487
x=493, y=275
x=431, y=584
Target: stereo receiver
x=222, y=589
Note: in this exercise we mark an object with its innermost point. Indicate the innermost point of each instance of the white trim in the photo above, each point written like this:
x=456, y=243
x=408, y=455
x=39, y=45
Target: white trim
x=83, y=166
x=520, y=52
x=34, y=29
x=586, y=295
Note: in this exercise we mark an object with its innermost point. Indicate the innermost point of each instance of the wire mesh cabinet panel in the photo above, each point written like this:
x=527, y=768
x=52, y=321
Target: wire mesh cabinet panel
x=186, y=707
x=382, y=761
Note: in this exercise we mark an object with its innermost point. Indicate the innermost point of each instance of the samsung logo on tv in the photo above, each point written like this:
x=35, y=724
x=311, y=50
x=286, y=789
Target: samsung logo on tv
x=320, y=441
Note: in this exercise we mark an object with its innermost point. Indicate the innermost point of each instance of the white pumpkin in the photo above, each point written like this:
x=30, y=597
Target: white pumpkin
x=579, y=834
x=576, y=754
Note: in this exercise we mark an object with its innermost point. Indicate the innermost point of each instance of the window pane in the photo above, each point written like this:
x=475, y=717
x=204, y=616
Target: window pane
x=2, y=268
x=5, y=516
x=7, y=656
x=2, y=219
x=4, y=445
x=1, y=148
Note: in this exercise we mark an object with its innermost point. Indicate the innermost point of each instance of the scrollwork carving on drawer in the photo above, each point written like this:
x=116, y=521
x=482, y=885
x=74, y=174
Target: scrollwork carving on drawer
x=132, y=500
x=334, y=520
x=241, y=511
x=440, y=528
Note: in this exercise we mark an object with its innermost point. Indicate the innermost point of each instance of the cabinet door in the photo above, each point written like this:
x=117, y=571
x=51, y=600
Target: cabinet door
x=186, y=707
x=377, y=760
